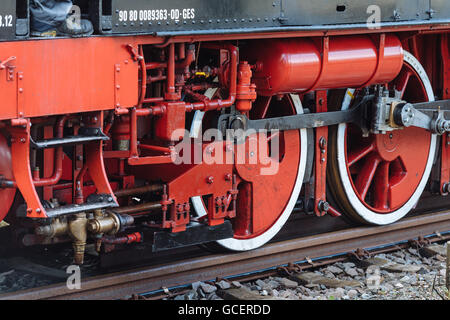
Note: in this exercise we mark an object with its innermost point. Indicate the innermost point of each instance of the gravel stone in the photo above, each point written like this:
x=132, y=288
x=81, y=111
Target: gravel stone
x=224, y=285
x=401, y=275
x=352, y=294
x=288, y=283
x=207, y=288
x=351, y=272
x=335, y=270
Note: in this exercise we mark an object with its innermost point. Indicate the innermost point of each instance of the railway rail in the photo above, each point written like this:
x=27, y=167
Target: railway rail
x=143, y=280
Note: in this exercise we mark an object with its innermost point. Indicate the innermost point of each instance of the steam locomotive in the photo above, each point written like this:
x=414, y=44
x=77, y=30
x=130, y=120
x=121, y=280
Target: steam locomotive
x=193, y=122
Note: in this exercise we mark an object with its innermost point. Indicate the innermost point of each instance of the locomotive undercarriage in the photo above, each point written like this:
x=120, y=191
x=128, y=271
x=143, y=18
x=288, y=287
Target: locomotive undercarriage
x=177, y=166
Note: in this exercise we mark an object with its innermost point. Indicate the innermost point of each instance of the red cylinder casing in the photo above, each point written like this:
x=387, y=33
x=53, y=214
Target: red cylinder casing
x=296, y=65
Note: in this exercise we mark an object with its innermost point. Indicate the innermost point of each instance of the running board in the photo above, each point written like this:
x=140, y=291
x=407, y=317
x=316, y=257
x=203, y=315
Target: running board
x=85, y=135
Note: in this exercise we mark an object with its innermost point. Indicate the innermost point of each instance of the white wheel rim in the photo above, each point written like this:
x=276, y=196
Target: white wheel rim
x=251, y=244
x=365, y=213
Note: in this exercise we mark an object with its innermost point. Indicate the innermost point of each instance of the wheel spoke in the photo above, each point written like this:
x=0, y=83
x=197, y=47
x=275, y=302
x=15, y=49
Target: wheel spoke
x=402, y=82
x=260, y=110
x=381, y=200
x=366, y=175
x=356, y=155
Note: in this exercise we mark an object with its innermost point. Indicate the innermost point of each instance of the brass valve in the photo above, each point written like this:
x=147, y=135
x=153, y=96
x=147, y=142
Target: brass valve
x=109, y=224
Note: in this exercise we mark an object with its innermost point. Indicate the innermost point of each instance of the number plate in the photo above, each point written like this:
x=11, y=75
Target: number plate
x=7, y=19
x=186, y=15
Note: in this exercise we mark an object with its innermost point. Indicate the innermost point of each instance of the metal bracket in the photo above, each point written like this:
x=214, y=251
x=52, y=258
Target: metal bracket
x=432, y=118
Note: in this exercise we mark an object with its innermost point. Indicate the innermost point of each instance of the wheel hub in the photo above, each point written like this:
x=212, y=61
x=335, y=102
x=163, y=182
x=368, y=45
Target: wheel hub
x=387, y=145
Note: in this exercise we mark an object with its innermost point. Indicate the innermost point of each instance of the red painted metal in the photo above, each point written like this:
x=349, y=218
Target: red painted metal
x=86, y=75
x=321, y=156
x=208, y=105
x=445, y=155
x=6, y=172
x=90, y=75
x=246, y=91
x=301, y=65
x=389, y=164
x=384, y=165
x=257, y=210
x=94, y=160
x=20, y=151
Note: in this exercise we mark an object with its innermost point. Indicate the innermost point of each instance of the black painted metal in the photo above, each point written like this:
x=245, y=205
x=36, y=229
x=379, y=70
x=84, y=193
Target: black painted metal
x=194, y=17
x=322, y=12
x=85, y=135
x=315, y=120
x=170, y=17
x=93, y=203
x=195, y=234
x=7, y=19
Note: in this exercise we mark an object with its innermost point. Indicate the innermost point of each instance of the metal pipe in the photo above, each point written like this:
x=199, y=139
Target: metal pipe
x=133, y=134
x=139, y=190
x=79, y=183
x=171, y=94
x=58, y=170
x=152, y=206
x=207, y=104
x=154, y=100
x=156, y=148
x=128, y=239
x=143, y=76
x=155, y=65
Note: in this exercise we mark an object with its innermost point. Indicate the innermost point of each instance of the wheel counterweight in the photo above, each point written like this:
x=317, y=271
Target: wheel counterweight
x=266, y=199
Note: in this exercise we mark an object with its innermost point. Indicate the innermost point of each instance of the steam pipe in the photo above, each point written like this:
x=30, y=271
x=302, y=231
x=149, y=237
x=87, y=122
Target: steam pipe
x=207, y=104
x=58, y=170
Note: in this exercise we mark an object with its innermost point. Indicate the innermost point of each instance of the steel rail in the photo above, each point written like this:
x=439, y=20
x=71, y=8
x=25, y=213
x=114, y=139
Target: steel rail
x=124, y=284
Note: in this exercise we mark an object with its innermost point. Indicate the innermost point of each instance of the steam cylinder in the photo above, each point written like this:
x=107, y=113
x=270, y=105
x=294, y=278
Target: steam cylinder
x=294, y=65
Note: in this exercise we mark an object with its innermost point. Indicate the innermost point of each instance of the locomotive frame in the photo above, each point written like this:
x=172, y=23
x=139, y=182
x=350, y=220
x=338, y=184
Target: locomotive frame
x=88, y=124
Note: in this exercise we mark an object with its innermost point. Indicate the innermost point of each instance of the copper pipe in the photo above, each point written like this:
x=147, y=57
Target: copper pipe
x=152, y=206
x=138, y=190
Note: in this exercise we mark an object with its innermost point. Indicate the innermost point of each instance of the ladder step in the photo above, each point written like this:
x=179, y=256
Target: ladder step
x=94, y=203
x=85, y=135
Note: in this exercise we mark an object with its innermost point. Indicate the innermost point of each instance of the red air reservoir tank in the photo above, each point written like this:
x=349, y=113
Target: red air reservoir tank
x=303, y=64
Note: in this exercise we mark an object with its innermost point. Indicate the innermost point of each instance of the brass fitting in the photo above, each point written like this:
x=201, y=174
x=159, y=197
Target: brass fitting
x=105, y=224
x=78, y=232
x=55, y=229
x=77, y=228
